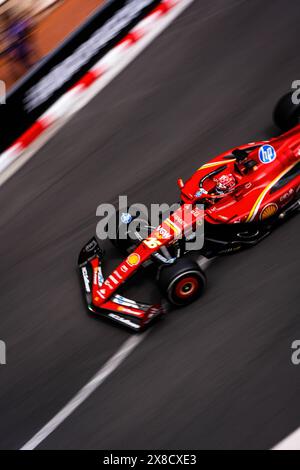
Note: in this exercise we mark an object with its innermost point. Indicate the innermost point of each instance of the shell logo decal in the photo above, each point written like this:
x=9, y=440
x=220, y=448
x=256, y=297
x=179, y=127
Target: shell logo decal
x=257, y=205
x=133, y=259
x=268, y=211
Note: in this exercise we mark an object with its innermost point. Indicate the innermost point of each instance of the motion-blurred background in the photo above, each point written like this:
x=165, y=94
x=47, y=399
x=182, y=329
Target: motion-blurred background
x=30, y=29
x=216, y=375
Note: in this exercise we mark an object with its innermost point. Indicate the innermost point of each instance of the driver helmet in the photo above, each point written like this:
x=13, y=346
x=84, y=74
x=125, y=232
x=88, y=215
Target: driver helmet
x=225, y=184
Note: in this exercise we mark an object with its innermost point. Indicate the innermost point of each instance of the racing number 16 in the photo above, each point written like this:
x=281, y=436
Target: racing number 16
x=152, y=243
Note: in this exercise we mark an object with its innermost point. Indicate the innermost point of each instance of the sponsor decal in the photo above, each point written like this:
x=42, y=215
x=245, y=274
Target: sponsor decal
x=101, y=293
x=123, y=301
x=223, y=217
x=161, y=232
x=108, y=284
x=127, y=310
x=268, y=211
x=86, y=280
x=124, y=269
x=111, y=282
x=100, y=277
x=118, y=299
x=201, y=192
x=91, y=246
x=179, y=219
x=95, y=280
x=133, y=259
x=118, y=275
x=163, y=259
x=287, y=195
x=267, y=154
x=124, y=320
x=114, y=280
x=198, y=212
x=126, y=218
x=231, y=250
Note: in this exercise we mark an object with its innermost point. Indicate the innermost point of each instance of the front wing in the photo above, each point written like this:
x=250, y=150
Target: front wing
x=129, y=313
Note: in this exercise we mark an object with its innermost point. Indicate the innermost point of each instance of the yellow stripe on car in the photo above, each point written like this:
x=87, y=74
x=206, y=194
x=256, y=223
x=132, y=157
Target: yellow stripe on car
x=262, y=196
x=174, y=227
x=213, y=164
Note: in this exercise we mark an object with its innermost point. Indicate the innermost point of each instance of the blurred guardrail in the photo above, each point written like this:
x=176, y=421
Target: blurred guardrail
x=61, y=69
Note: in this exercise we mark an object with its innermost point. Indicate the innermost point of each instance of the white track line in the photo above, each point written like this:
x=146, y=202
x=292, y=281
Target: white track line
x=105, y=371
x=97, y=87
x=292, y=442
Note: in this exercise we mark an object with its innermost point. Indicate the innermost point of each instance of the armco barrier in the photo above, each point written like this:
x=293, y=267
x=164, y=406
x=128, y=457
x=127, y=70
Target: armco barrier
x=62, y=69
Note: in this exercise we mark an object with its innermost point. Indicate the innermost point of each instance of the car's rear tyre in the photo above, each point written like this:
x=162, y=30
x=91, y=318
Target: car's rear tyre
x=286, y=113
x=182, y=282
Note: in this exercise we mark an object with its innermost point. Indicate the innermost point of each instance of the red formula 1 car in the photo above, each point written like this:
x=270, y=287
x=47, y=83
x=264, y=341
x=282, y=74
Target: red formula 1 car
x=246, y=192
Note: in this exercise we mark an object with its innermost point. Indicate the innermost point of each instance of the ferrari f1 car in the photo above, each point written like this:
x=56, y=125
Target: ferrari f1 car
x=246, y=192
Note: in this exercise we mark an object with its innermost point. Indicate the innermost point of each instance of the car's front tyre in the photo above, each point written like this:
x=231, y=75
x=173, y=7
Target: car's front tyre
x=182, y=282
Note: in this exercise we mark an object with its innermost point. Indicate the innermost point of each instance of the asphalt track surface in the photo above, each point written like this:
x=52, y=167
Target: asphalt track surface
x=217, y=374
